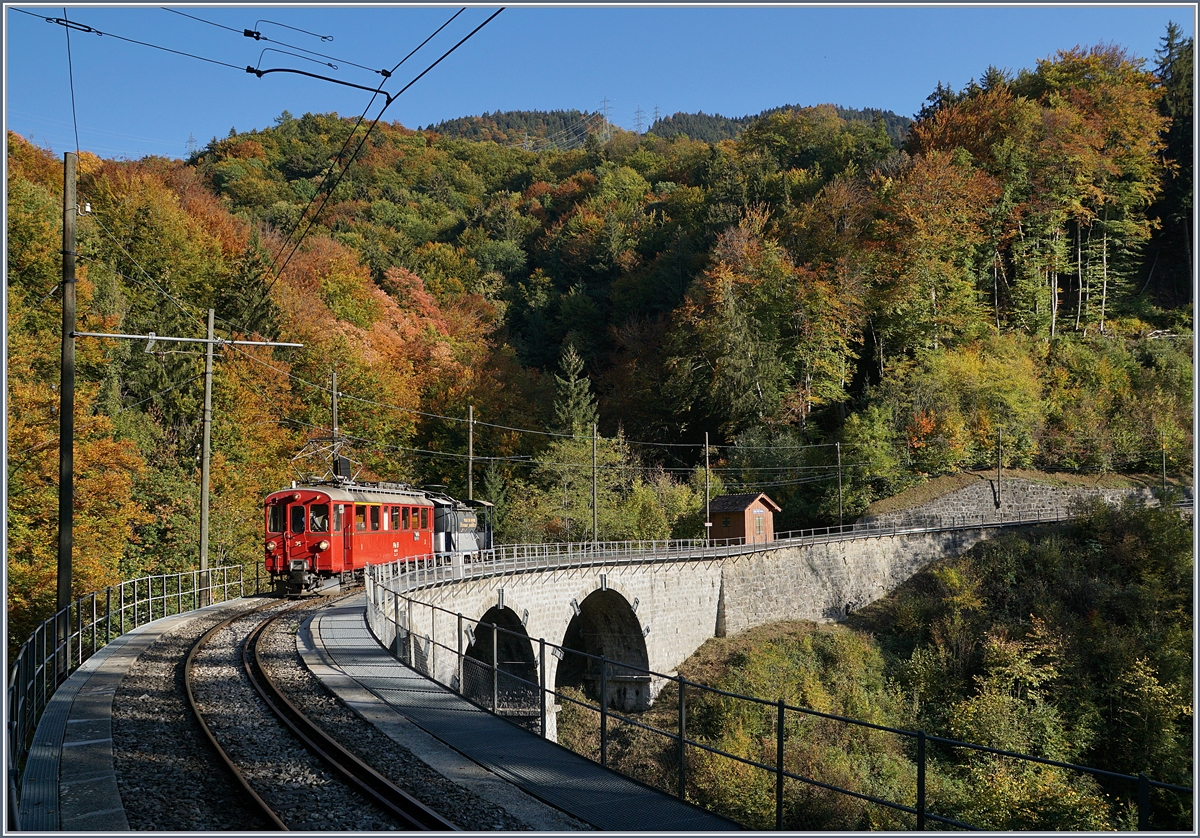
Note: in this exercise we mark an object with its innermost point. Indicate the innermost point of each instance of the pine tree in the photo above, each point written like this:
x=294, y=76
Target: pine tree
x=575, y=407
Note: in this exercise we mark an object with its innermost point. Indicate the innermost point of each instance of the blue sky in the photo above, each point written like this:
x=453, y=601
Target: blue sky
x=133, y=100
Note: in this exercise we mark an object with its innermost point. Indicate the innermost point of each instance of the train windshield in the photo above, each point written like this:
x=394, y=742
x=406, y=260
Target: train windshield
x=318, y=517
x=276, y=517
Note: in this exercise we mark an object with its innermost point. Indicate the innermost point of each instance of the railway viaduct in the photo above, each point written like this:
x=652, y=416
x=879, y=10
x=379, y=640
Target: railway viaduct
x=651, y=610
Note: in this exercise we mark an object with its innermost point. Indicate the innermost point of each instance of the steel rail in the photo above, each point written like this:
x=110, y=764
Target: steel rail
x=363, y=778
x=258, y=803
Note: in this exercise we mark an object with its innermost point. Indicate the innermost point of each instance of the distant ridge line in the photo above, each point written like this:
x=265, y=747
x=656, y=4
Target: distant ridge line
x=537, y=129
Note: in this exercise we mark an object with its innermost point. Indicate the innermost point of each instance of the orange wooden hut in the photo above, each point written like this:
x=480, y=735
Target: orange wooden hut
x=747, y=517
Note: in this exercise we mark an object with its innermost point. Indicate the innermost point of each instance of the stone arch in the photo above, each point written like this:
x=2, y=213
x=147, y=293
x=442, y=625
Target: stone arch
x=512, y=689
x=606, y=626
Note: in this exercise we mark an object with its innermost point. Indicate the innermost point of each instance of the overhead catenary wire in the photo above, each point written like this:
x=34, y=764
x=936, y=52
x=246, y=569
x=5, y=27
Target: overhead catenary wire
x=122, y=409
x=321, y=188
x=80, y=27
x=371, y=128
x=258, y=36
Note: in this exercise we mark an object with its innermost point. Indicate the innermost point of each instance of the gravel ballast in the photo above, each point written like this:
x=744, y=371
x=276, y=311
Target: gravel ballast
x=170, y=779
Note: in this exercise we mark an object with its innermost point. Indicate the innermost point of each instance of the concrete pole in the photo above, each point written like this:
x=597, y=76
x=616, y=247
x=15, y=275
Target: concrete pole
x=999, y=444
x=334, y=423
x=470, y=452
x=707, y=513
x=66, y=419
x=839, y=455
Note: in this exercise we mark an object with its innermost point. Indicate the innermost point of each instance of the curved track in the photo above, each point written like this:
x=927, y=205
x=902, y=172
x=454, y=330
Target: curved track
x=407, y=812
x=363, y=778
x=251, y=796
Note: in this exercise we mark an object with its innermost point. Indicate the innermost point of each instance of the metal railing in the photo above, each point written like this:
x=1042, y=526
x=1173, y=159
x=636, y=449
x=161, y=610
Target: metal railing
x=518, y=689
x=520, y=558
x=62, y=643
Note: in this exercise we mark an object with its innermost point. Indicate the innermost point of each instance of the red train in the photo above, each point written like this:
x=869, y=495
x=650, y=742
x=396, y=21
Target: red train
x=316, y=531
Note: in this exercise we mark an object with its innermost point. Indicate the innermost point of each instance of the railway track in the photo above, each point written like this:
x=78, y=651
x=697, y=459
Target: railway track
x=292, y=774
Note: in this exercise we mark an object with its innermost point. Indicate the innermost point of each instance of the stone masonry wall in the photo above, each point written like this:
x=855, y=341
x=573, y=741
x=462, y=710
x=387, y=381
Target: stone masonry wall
x=1018, y=497
x=824, y=582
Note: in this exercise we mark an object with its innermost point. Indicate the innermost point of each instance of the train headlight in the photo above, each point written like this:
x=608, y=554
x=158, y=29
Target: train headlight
x=296, y=496
x=271, y=545
x=324, y=545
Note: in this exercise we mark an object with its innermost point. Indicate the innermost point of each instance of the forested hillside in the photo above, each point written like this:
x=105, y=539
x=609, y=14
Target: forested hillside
x=1020, y=267
x=527, y=129
x=712, y=128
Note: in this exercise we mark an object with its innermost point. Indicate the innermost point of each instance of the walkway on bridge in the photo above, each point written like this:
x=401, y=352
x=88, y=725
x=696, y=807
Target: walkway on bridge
x=595, y=794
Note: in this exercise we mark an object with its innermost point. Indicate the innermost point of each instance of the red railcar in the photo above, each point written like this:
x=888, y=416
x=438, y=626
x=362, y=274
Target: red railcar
x=316, y=532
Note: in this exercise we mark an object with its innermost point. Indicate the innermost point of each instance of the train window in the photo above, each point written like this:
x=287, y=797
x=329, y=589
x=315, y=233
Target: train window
x=360, y=518
x=405, y=513
x=337, y=517
x=387, y=518
x=318, y=517
x=275, y=517
x=395, y=517
x=374, y=518
x=424, y=517
x=297, y=517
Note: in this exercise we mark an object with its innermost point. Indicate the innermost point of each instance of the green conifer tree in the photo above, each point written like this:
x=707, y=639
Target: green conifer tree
x=575, y=407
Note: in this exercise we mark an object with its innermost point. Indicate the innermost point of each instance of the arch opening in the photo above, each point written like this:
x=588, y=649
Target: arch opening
x=606, y=627
x=511, y=689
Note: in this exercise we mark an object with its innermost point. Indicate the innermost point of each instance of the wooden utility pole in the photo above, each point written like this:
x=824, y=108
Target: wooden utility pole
x=595, y=515
x=66, y=390
x=470, y=452
x=207, y=445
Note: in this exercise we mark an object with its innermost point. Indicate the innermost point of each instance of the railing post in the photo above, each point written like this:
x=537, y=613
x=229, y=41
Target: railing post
x=93, y=622
x=135, y=604
x=108, y=615
x=779, y=769
x=920, y=780
x=412, y=638
x=603, y=710
x=460, y=655
x=79, y=631
x=682, y=740
x=542, y=679
x=495, y=672
x=1143, y=803
x=396, y=613
x=122, y=608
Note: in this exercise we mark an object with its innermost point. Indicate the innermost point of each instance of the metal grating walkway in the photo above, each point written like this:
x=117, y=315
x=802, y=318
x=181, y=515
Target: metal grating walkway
x=597, y=795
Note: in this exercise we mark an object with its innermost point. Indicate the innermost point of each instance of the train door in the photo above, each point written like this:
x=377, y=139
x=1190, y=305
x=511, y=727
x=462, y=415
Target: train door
x=295, y=535
x=359, y=538
x=342, y=528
